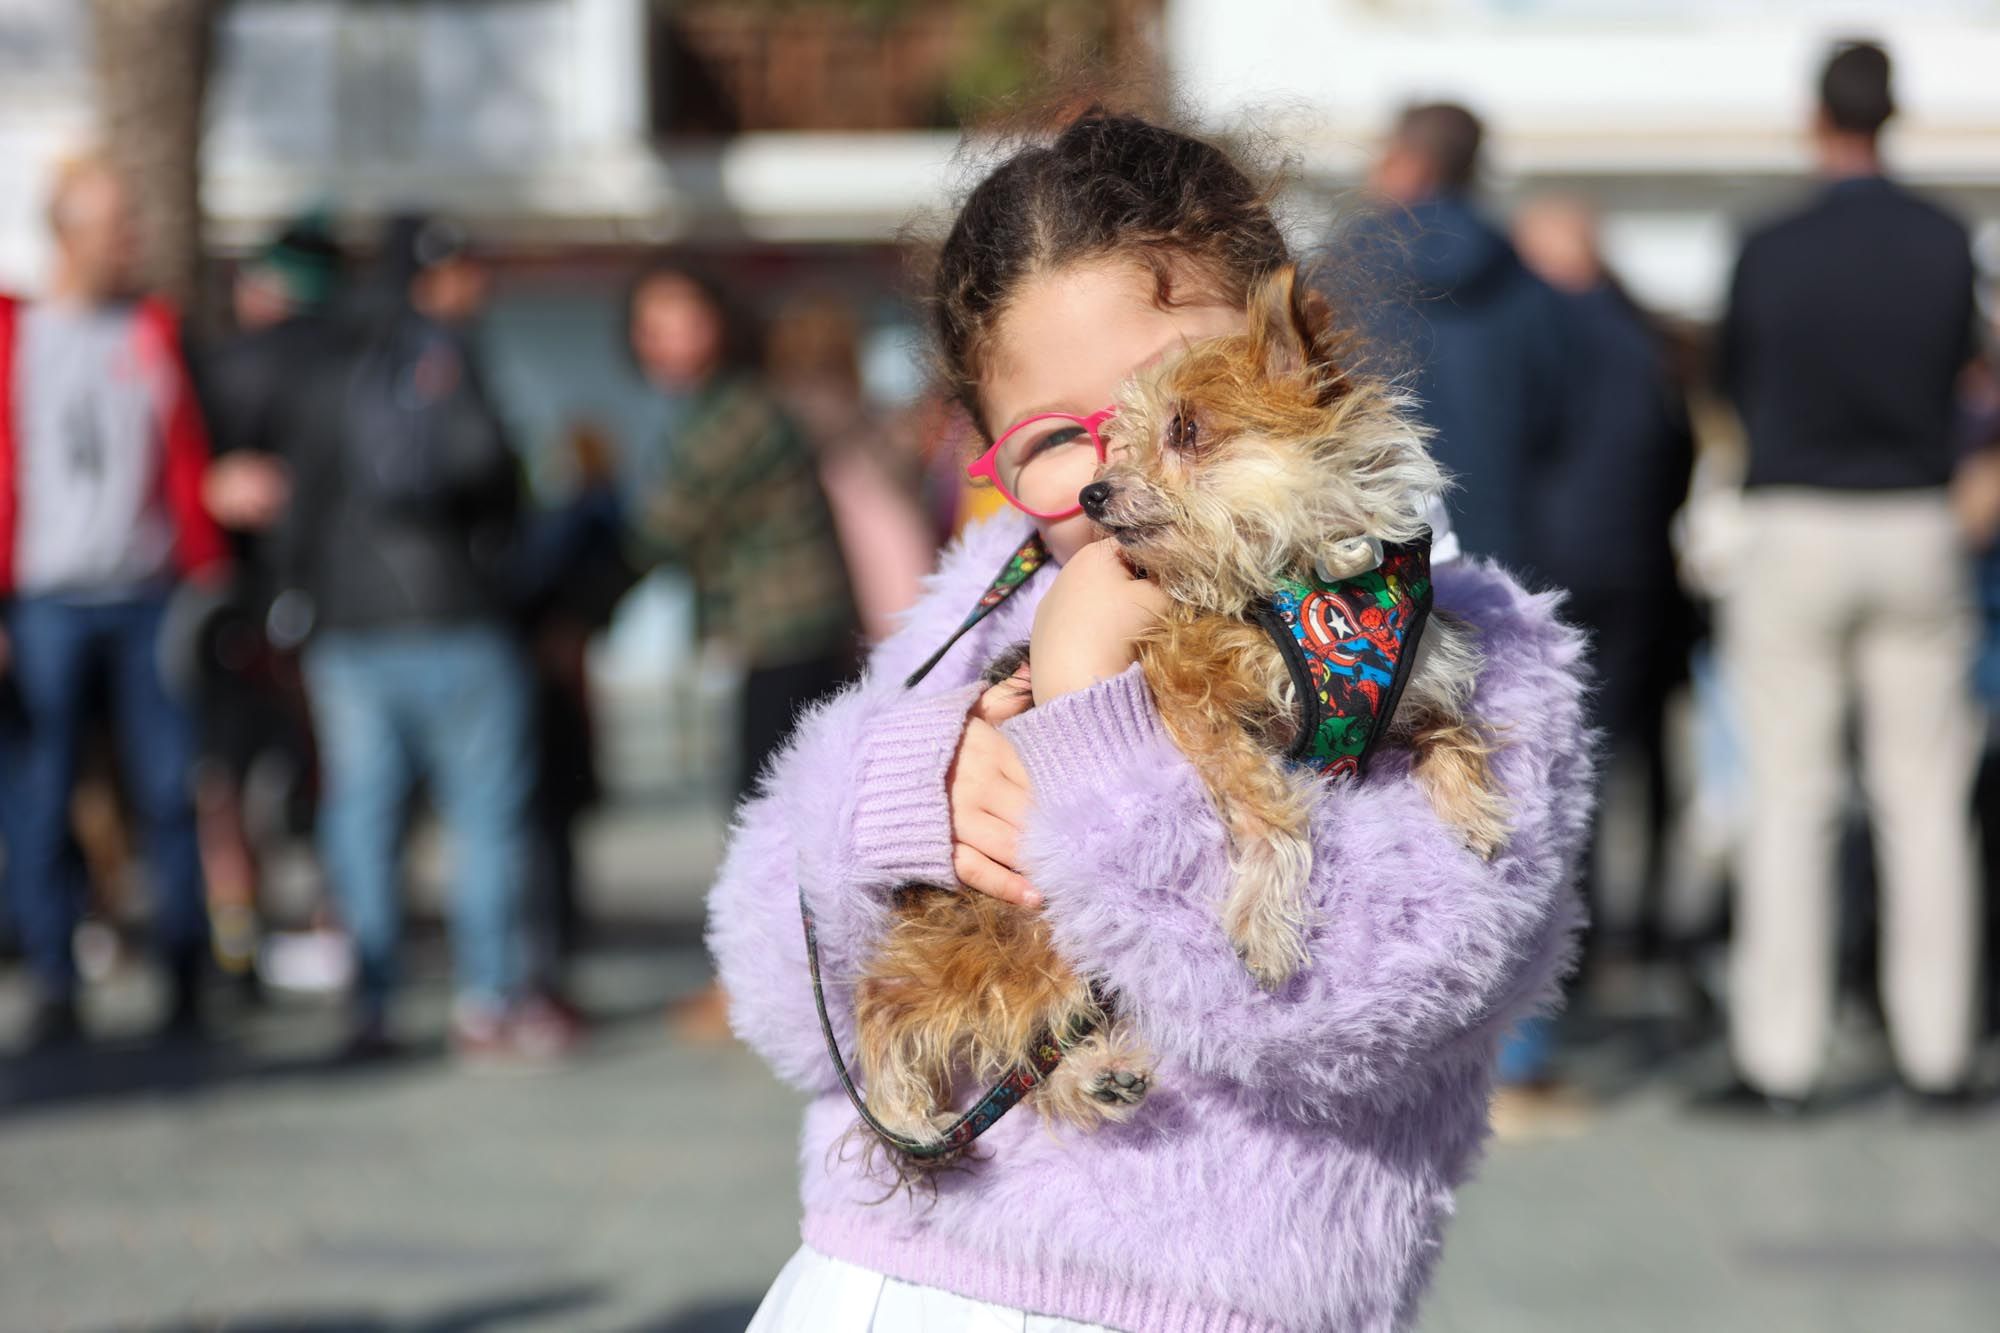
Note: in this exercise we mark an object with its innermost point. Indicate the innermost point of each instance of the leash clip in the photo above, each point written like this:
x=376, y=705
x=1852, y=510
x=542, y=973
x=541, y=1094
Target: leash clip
x=1347, y=553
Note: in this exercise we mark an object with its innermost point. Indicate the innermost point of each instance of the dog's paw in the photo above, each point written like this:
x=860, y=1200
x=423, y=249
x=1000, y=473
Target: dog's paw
x=1101, y=1080
x=1454, y=767
x=1270, y=963
x=1117, y=1085
x=1273, y=956
x=1262, y=915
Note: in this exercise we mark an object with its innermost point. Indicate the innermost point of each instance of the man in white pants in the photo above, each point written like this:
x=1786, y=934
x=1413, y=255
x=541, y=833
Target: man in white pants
x=1849, y=322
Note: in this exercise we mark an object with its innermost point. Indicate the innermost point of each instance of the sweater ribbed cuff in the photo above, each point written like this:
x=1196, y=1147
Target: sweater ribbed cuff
x=902, y=815
x=1090, y=739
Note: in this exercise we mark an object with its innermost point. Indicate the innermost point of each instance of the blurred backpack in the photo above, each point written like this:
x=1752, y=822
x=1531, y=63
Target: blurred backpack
x=418, y=424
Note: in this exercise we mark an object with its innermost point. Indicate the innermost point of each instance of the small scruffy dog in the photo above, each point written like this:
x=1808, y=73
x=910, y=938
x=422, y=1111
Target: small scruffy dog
x=1245, y=461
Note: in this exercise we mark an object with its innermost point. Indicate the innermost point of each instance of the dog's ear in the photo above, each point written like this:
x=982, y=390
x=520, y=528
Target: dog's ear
x=1290, y=327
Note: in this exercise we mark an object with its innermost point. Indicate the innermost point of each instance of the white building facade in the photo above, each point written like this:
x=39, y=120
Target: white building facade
x=1683, y=118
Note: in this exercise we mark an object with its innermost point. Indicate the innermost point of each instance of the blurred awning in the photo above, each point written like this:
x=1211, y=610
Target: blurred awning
x=755, y=187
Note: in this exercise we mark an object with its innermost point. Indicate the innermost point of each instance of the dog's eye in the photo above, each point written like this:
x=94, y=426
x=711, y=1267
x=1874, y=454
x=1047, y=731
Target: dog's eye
x=1183, y=433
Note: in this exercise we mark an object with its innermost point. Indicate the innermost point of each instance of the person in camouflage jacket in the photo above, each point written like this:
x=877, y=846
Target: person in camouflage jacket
x=739, y=504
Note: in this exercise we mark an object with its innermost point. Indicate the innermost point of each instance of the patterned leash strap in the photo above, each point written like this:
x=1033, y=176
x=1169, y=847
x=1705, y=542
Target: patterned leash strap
x=1048, y=1047
x=1043, y=1056
x=1020, y=567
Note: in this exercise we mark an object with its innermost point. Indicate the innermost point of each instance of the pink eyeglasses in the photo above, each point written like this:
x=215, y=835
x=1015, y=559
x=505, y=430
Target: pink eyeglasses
x=1039, y=463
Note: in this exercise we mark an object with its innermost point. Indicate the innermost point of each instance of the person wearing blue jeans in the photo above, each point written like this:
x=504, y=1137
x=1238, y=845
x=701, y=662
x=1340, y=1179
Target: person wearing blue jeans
x=102, y=460
x=58, y=646
x=454, y=704
x=411, y=494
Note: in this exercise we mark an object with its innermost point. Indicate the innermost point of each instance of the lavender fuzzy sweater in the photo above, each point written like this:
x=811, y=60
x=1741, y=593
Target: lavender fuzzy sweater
x=1294, y=1167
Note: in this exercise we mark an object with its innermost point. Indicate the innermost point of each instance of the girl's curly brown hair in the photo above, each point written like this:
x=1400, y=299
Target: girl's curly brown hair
x=1106, y=185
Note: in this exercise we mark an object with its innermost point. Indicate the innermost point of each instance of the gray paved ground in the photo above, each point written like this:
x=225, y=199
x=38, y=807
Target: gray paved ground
x=650, y=1187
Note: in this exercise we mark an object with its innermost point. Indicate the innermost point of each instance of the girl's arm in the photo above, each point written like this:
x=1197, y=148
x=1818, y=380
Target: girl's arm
x=1416, y=945
x=854, y=806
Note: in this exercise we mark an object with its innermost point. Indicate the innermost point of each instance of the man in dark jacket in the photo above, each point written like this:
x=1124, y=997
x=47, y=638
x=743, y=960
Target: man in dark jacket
x=405, y=491
x=1484, y=337
x=1609, y=501
x=1849, y=324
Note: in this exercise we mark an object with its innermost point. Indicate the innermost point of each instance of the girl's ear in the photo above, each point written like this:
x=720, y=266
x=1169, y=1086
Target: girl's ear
x=1288, y=327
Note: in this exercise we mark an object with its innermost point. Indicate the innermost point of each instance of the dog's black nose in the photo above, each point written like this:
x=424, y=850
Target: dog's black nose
x=1094, y=497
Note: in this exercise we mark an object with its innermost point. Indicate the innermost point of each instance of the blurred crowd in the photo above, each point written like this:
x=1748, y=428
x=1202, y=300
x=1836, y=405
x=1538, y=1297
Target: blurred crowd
x=1803, y=600
x=291, y=575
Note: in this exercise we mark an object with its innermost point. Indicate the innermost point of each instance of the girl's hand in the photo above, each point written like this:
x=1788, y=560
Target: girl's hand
x=989, y=793
x=1087, y=626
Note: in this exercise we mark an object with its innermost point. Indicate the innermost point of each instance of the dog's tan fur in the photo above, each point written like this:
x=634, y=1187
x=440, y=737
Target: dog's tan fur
x=1296, y=464
x=1242, y=462
x=963, y=987
x=960, y=991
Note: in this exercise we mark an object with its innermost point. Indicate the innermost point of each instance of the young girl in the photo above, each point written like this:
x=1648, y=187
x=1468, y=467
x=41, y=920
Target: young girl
x=1294, y=1165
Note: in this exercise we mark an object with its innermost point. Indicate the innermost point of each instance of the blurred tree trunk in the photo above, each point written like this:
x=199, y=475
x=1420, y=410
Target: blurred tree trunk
x=151, y=60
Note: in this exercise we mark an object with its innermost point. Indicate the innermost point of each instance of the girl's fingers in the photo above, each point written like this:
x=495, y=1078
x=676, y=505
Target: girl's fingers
x=981, y=873
x=990, y=836
x=988, y=776
x=1011, y=767
x=992, y=751
x=1007, y=800
x=988, y=798
x=977, y=742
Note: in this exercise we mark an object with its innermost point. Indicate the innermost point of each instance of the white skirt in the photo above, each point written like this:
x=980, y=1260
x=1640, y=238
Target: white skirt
x=818, y=1294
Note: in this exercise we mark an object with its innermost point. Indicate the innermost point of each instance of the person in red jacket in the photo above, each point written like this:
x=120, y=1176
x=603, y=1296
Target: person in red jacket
x=102, y=454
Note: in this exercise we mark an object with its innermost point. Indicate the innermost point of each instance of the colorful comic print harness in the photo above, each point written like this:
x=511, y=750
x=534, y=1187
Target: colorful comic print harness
x=1349, y=644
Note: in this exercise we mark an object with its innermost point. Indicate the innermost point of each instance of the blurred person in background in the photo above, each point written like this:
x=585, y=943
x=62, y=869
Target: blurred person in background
x=567, y=572
x=1484, y=341
x=870, y=467
x=1607, y=503
x=1975, y=494
x=1848, y=326
x=407, y=496
x=284, y=298
x=740, y=504
x=1483, y=337
x=102, y=452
